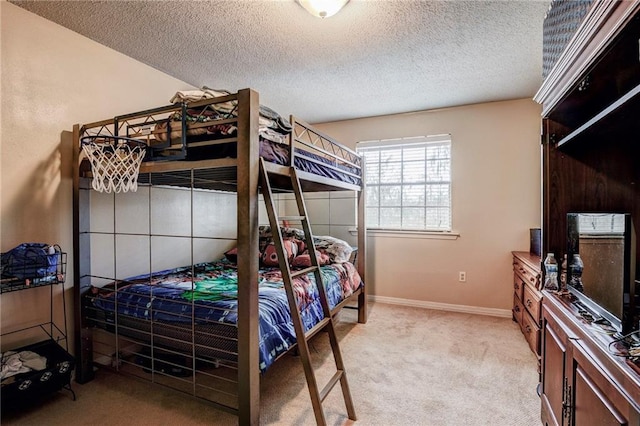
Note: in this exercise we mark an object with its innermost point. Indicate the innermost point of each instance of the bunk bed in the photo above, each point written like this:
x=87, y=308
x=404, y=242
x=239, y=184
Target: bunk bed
x=213, y=143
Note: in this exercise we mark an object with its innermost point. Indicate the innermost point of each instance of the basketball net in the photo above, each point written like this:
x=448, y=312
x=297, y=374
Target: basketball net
x=114, y=166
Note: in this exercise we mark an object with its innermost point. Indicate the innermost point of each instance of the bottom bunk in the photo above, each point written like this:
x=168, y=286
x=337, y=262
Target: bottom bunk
x=178, y=327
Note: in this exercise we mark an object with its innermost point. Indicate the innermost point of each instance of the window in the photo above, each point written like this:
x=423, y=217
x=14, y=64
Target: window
x=408, y=183
x=601, y=223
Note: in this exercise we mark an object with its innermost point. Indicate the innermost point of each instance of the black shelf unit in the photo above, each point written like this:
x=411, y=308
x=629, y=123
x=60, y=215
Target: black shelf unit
x=21, y=390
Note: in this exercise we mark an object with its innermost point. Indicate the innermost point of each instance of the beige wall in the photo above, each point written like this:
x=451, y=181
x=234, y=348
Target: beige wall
x=330, y=213
x=53, y=78
x=495, y=199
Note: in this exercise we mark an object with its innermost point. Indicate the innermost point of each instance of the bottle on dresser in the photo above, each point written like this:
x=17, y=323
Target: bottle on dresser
x=550, y=272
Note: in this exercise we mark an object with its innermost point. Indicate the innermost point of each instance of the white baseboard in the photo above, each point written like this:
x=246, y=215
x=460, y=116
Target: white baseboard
x=503, y=313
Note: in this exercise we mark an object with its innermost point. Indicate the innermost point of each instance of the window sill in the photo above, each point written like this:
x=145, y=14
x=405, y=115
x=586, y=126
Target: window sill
x=393, y=233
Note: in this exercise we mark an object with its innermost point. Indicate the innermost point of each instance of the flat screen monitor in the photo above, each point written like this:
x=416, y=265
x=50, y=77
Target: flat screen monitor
x=601, y=265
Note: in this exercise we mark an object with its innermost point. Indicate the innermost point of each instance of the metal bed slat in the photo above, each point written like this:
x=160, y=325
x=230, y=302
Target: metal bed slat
x=333, y=155
x=323, y=135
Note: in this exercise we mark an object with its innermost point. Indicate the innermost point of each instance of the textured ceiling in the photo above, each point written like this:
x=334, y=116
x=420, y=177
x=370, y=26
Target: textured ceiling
x=372, y=58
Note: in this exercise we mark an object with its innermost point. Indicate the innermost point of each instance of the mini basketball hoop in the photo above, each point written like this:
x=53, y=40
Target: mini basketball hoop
x=115, y=162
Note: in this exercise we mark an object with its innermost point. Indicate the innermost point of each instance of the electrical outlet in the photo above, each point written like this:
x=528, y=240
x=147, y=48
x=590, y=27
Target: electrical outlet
x=462, y=276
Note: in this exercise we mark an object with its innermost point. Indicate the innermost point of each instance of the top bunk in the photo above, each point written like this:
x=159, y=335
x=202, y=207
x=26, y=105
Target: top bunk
x=207, y=139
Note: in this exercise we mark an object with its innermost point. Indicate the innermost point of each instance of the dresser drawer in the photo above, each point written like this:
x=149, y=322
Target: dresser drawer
x=518, y=286
x=531, y=332
x=527, y=298
x=528, y=274
x=531, y=300
x=518, y=310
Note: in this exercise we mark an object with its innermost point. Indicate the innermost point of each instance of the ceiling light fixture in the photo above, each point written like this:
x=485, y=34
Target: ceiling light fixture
x=323, y=8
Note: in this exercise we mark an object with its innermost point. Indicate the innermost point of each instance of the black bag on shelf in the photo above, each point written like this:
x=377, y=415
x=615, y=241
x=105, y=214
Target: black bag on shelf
x=30, y=260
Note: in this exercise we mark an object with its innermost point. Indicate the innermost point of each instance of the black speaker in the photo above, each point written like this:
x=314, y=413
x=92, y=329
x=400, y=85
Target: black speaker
x=534, y=241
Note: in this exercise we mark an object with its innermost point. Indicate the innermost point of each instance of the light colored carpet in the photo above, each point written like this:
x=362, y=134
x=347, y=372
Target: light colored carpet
x=406, y=366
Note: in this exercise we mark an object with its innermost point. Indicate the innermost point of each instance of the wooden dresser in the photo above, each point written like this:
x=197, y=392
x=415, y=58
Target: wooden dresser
x=584, y=382
x=527, y=298
x=590, y=157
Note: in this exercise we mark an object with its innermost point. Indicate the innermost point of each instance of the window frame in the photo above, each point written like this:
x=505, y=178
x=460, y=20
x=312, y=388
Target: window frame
x=402, y=143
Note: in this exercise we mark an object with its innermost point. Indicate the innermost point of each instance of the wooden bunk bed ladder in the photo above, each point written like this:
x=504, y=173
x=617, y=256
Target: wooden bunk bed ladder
x=302, y=336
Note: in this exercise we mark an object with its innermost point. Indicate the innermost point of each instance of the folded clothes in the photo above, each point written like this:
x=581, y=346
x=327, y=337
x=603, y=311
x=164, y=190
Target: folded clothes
x=268, y=117
x=32, y=360
x=21, y=362
x=282, y=124
x=206, y=93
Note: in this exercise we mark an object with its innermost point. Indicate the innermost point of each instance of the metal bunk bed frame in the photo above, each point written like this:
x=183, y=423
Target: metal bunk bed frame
x=242, y=174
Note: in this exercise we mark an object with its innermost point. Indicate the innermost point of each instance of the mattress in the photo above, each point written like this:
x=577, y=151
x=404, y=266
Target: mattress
x=273, y=131
x=167, y=306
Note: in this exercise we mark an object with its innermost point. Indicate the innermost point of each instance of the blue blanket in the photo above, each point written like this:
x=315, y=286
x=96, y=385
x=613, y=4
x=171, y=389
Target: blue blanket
x=211, y=296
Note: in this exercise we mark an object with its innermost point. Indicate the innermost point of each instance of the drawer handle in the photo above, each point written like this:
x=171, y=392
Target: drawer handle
x=528, y=329
x=529, y=303
x=516, y=308
x=531, y=279
x=516, y=286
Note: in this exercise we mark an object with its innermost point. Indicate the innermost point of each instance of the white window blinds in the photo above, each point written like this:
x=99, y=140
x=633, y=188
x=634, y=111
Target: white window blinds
x=408, y=183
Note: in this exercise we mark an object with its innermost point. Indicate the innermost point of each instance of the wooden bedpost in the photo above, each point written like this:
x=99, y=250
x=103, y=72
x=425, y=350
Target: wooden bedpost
x=247, y=204
x=363, y=312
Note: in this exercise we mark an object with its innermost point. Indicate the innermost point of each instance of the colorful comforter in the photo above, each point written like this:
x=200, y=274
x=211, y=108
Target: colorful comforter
x=211, y=296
